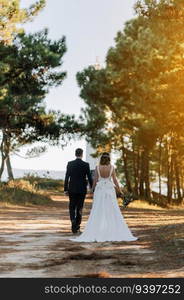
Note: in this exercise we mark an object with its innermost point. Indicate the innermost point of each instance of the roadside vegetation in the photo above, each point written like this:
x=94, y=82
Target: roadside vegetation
x=30, y=189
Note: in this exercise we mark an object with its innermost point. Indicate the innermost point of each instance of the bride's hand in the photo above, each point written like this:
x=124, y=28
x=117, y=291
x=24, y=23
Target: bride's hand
x=91, y=191
x=93, y=188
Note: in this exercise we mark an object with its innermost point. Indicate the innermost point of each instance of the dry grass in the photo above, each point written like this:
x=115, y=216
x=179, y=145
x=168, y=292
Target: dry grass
x=144, y=205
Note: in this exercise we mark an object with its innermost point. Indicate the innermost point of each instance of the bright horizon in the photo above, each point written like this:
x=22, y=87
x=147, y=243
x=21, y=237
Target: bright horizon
x=90, y=28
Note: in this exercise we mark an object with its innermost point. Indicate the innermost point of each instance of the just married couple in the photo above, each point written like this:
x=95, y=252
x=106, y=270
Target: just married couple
x=105, y=222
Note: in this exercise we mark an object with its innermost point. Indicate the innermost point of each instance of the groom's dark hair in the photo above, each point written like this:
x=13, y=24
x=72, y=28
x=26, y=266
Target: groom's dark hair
x=78, y=152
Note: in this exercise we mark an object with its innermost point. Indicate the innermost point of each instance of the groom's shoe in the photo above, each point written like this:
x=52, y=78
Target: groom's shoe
x=78, y=227
x=74, y=228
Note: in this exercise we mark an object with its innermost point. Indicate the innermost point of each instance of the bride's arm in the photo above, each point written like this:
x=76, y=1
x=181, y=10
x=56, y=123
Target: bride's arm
x=95, y=179
x=116, y=181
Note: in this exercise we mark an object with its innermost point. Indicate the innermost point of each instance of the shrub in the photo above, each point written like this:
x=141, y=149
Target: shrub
x=22, y=185
x=44, y=183
x=22, y=192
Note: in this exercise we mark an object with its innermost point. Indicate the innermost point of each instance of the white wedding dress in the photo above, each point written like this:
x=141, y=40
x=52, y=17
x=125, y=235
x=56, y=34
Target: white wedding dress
x=105, y=222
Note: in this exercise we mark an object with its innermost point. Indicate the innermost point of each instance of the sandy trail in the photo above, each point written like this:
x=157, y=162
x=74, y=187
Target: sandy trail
x=34, y=242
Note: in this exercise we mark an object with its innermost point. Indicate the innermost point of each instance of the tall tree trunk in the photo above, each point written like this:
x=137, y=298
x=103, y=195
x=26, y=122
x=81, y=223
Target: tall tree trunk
x=138, y=163
x=142, y=175
x=144, y=184
x=9, y=168
x=6, y=152
x=169, y=187
x=174, y=191
x=2, y=164
x=177, y=176
x=182, y=183
x=160, y=168
x=3, y=154
x=169, y=172
x=127, y=176
x=172, y=176
x=147, y=175
x=135, y=169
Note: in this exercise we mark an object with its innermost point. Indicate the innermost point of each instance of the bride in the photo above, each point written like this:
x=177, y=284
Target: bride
x=105, y=222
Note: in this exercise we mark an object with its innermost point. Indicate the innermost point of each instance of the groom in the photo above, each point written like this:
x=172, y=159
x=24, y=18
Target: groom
x=76, y=186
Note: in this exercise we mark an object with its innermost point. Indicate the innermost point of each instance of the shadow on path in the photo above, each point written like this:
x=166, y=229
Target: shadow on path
x=34, y=242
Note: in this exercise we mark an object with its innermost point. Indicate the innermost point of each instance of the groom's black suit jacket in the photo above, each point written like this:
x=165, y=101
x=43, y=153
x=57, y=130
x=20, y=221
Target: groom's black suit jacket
x=76, y=177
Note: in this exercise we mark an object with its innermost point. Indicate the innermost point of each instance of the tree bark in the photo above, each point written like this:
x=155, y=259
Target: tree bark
x=142, y=175
x=3, y=155
x=2, y=164
x=159, y=168
x=177, y=177
x=135, y=170
x=9, y=168
x=147, y=175
x=182, y=183
x=127, y=176
x=144, y=184
x=169, y=172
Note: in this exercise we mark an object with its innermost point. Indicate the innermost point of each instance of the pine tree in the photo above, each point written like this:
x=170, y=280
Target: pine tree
x=140, y=92
x=12, y=15
x=31, y=68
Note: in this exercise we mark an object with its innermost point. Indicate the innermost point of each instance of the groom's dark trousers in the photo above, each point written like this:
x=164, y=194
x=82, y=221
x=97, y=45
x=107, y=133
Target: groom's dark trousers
x=75, y=184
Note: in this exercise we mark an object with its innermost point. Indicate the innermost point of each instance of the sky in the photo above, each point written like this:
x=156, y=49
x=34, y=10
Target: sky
x=90, y=27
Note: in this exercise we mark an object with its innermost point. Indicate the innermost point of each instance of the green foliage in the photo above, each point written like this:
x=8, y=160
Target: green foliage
x=136, y=101
x=44, y=183
x=27, y=64
x=30, y=70
x=50, y=184
x=30, y=66
x=11, y=15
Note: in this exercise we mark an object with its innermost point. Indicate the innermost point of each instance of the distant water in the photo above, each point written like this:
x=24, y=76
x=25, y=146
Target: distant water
x=19, y=173
x=155, y=187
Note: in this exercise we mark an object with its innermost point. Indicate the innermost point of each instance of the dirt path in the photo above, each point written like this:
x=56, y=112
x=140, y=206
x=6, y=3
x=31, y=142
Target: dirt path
x=34, y=242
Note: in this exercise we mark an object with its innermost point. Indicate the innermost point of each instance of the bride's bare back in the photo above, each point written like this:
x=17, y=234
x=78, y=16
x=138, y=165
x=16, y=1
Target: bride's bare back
x=105, y=170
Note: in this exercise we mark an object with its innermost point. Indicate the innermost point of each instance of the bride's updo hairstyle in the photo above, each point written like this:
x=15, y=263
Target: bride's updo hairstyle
x=105, y=159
